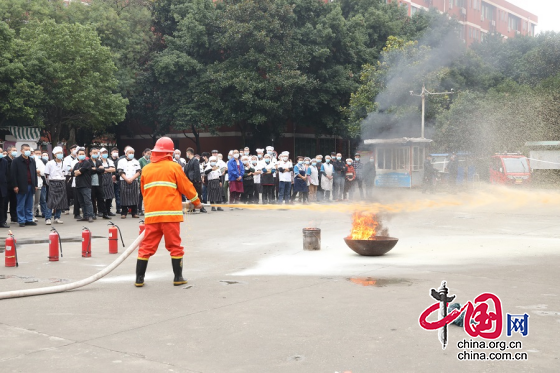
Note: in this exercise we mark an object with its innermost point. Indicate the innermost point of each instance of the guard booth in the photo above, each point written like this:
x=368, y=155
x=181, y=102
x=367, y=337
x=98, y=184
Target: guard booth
x=399, y=162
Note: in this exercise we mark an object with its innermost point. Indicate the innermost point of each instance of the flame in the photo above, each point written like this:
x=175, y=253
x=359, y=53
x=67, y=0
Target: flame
x=364, y=226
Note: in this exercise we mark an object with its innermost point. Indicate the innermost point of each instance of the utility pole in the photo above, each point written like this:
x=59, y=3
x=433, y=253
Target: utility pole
x=425, y=93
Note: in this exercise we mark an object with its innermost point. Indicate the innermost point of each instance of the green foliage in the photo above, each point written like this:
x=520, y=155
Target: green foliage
x=72, y=77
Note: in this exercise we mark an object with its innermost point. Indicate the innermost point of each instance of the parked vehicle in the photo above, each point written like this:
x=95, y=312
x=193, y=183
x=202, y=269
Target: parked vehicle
x=510, y=169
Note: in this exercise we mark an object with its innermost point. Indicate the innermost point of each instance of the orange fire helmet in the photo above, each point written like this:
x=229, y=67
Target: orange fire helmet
x=164, y=145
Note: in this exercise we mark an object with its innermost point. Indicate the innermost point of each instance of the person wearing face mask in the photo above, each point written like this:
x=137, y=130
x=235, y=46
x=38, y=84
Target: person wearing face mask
x=349, y=179
x=313, y=178
x=97, y=196
x=285, y=168
x=213, y=174
x=40, y=198
x=129, y=169
x=146, y=154
x=339, y=177
x=116, y=180
x=192, y=171
x=107, y=180
x=246, y=151
x=369, y=176
x=203, y=163
x=260, y=154
x=359, y=168
x=257, y=165
x=177, y=158
x=68, y=163
x=327, y=175
x=320, y=194
x=267, y=180
x=4, y=177
x=12, y=196
x=300, y=181
x=56, y=178
x=24, y=176
x=82, y=177
x=235, y=175
x=248, y=180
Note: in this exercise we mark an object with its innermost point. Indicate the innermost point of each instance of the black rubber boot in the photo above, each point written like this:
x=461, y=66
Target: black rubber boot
x=141, y=266
x=178, y=271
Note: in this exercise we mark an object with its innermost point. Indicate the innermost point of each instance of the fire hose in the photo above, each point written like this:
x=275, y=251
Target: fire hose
x=77, y=284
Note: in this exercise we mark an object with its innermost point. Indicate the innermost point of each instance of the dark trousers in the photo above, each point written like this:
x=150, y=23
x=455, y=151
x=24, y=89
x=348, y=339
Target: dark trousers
x=133, y=209
x=108, y=204
x=140, y=202
x=268, y=194
x=359, y=183
x=97, y=200
x=84, y=198
x=75, y=193
x=3, y=211
x=117, y=189
x=12, y=200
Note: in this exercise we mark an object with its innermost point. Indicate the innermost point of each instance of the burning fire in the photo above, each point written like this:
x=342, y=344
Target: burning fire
x=364, y=226
x=367, y=226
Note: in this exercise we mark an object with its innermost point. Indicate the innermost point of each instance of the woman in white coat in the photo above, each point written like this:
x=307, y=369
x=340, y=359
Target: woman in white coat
x=327, y=171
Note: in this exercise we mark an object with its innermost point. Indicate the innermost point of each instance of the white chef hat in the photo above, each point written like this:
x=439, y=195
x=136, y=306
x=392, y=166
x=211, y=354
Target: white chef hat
x=269, y=148
x=213, y=158
x=260, y=150
x=57, y=149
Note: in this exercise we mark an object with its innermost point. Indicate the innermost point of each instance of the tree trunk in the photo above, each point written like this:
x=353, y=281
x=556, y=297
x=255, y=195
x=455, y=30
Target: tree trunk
x=71, y=138
x=196, y=138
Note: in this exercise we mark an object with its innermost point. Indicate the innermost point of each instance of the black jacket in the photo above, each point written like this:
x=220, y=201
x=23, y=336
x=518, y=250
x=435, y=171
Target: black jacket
x=192, y=170
x=84, y=179
x=339, y=168
x=18, y=174
x=369, y=172
x=4, y=177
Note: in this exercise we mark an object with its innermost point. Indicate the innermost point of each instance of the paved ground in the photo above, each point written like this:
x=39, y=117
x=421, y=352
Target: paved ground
x=258, y=303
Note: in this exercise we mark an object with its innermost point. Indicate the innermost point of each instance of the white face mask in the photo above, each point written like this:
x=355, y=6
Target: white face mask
x=236, y=156
x=114, y=155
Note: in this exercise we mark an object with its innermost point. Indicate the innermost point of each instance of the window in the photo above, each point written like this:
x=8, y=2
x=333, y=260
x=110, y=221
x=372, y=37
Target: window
x=401, y=159
x=487, y=12
x=513, y=23
x=305, y=146
x=384, y=158
x=417, y=158
x=414, y=10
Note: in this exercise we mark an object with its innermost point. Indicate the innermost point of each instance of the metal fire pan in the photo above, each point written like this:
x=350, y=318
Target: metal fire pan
x=374, y=247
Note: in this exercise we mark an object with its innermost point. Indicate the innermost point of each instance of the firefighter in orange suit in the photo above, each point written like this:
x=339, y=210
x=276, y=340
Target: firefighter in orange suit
x=162, y=184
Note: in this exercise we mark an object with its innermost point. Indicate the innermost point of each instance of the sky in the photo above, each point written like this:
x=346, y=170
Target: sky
x=548, y=12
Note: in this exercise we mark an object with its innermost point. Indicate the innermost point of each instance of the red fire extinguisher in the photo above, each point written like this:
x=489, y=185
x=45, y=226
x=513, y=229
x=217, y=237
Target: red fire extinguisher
x=86, y=243
x=11, y=251
x=142, y=226
x=114, y=232
x=54, y=243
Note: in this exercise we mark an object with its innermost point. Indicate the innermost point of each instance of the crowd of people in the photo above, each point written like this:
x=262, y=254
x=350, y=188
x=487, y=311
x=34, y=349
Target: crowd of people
x=91, y=182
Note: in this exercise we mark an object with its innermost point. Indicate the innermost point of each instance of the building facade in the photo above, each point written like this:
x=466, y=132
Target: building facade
x=480, y=17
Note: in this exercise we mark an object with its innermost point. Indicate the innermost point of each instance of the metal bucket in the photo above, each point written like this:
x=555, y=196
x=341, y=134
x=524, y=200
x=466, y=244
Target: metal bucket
x=311, y=239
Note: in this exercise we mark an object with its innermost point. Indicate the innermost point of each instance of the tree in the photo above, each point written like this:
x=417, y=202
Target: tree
x=76, y=76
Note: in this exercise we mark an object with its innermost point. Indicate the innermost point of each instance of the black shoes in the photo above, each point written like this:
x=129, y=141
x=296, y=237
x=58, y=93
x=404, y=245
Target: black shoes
x=213, y=208
x=30, y=223
x=106, y=216
x=178, y=271
x=111, y=214
x=78, y=217
x=82, y=219
x=4, y=225
x=203, y=210
x=141, y=266
x=21, y=225
x=220, y=209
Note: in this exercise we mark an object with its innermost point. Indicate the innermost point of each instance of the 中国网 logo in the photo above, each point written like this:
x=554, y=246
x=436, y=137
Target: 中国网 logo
x=482, y=318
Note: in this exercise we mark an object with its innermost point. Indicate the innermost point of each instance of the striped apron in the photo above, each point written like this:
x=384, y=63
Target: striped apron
x=57, y=195
x=129, y=193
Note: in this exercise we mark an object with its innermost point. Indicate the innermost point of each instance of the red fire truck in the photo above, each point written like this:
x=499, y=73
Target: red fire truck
x=510, y=169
